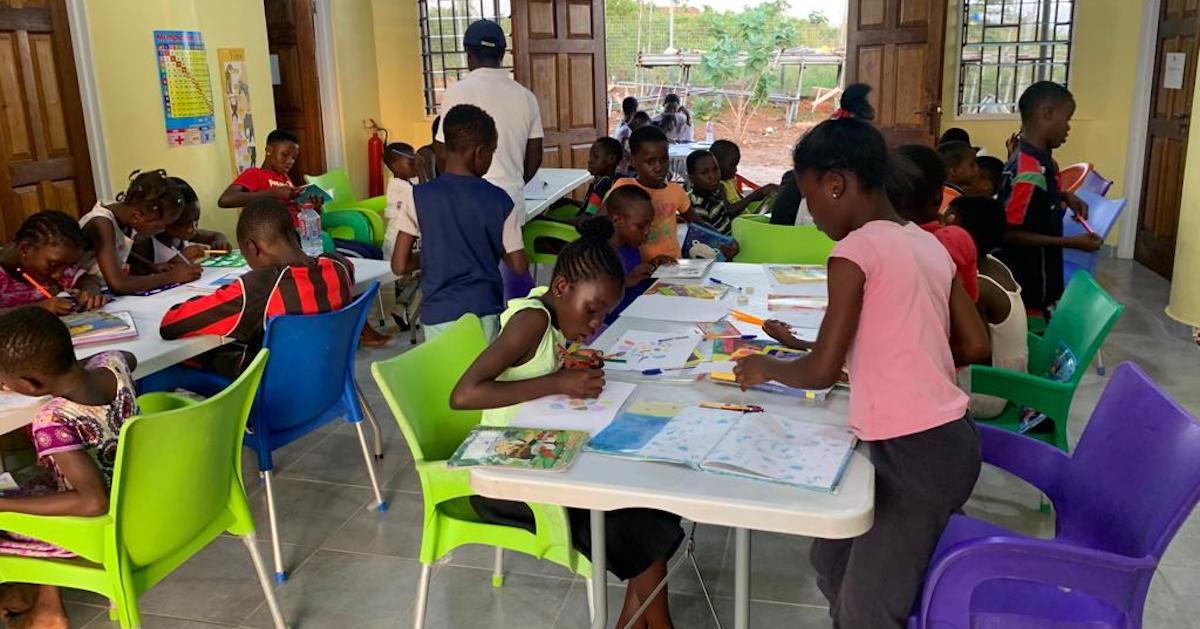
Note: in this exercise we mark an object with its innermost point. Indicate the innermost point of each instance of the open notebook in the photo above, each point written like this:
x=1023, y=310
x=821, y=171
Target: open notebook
x=761, y=446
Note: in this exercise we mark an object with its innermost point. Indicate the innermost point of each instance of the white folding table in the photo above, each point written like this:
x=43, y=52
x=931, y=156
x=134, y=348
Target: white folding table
x=600, y=483
x=155, y=354
x=549, y=185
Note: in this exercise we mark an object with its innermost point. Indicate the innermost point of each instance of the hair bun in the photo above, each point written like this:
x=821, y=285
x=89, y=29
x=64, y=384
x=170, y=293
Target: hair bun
x=854, y=101
x=597, y=228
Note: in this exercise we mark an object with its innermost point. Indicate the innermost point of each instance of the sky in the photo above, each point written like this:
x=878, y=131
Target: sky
x=835, y=9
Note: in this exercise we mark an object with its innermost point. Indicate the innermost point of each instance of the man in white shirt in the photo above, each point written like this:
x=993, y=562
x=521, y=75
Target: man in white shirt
x=514, y=108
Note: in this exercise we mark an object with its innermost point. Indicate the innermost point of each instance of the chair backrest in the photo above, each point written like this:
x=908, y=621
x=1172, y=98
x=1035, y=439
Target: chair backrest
x=337, y=183
x=1071, y=177
x=534, y=230
x=1085, y=315
x=178, y=470
x=417, y=386
x=311, y=366
x=1134, y=477
x=761, y=242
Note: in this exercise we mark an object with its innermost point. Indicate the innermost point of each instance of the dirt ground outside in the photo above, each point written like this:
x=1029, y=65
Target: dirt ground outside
x=768, y=141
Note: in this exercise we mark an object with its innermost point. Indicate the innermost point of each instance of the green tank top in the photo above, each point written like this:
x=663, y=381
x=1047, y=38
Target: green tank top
x=545, y=360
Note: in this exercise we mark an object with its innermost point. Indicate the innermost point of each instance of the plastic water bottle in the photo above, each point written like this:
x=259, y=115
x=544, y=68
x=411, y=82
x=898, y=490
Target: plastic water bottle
x=708, y=133
x=310, y=230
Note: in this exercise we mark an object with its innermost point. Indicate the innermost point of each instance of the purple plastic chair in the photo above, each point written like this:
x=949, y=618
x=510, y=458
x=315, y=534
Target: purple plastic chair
x=516, y=285
x=1130, y=484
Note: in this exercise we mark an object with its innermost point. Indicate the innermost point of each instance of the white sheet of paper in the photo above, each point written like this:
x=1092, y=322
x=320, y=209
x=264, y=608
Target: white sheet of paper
x=681, y=309
x=11, y=400
x=684, y=269
x=1173, y=70
x=651, y=350
x=538, y=189
x=559, y=412
x=790, y=450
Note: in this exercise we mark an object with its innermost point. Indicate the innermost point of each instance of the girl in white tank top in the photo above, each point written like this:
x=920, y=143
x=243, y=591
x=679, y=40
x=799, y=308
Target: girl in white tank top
x=1010, y=349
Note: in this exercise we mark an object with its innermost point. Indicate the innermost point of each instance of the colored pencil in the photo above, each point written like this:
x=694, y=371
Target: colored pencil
x=41, y=289
x=747, y=318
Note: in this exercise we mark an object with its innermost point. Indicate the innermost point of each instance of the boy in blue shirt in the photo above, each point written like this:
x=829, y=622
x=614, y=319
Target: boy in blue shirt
x=466, y=225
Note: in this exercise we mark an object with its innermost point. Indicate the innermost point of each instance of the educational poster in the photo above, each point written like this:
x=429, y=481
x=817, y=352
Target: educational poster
x=186, y=88
x=235, y=90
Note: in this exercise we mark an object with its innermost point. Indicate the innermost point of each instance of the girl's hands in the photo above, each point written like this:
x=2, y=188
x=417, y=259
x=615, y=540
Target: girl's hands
x=184, y=273
x=221, y=243
x=87, y=300
x=1084, y=242
x=664, y=261
x=778, y=330
x=579, y=383
x=752, y=370
x=194, y=252
x=57, y=305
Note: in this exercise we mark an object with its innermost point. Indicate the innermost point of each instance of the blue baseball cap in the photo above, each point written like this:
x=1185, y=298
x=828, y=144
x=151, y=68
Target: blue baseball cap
x=484, y=34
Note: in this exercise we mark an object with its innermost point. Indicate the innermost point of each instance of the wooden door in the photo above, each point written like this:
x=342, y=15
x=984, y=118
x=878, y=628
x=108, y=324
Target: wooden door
x=895, y=46
x=1166, y=137
x=44, y=161
x=558, y=53
x=293, y=42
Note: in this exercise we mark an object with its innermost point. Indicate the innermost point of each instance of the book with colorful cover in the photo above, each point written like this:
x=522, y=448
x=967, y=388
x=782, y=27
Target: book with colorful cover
x=697, y=291
x=98, y=326
x=520, y=448
x=683, y=269
x=760, y=446
x=703, y=243
x=314, y=194
x=719, y=330
x=798, y=273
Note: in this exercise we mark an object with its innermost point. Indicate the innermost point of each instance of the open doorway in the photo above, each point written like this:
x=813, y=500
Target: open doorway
x=291, y=37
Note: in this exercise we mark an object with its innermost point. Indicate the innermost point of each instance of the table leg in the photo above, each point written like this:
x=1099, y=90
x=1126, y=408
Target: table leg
x=741, y=579
x=599, y=571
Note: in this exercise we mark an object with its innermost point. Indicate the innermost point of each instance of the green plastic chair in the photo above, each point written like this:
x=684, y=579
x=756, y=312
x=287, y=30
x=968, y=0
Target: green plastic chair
x=545, y=229
x=176, y=487
x=337, y=183
x=761, y=242
x=417, y=386
x=1085, y=315
x=347, y=225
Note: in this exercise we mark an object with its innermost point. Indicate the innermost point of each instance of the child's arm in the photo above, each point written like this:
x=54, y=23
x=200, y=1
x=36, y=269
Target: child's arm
x=87, y=498
x=518, y=340
x=969, y=341
x=517, y=261
x=822, y=367
x=237, y=195
x=1083, y=242
x=782, y=332
x=103, y=235
x=87, y=292
x=214, y=239
x=403, y=260
x=756, y=195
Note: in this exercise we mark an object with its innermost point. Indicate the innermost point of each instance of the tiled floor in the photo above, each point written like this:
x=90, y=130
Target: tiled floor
x=352, y=567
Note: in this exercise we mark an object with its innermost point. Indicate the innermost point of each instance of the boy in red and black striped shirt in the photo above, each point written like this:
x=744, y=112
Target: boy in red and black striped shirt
x=1033, y=203
x=282, y=280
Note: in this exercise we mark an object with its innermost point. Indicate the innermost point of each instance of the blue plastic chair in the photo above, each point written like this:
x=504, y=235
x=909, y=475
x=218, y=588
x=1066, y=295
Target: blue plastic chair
x=1119, y=499
x=309, y=382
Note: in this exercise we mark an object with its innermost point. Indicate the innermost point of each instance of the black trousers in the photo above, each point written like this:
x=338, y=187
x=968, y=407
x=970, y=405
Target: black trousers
x=920, y=480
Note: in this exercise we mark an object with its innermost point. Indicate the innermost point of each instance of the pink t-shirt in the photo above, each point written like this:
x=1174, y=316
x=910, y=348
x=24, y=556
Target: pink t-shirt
x=901, y=369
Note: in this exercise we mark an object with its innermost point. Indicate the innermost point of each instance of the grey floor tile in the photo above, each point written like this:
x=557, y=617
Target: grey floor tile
x=335, y=589
x=309, y=512
x=396, y=532
x=464, y=597
x=779, y=570
x=151, y=621
x=80, y=614
x=338, y=458
x=224, y=574
x=687, y=610
x=483, y=557
x=769, y=614
x=1165, y=607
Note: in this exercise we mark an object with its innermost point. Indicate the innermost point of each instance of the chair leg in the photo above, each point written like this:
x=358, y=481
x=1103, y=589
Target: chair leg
x=260, y=569
x=382, y=311
x=380, y=504
x=280, y=575
x=370, y=415
x=591, y=596
x=1100, y=370
x=498, y=568
x=422, y=597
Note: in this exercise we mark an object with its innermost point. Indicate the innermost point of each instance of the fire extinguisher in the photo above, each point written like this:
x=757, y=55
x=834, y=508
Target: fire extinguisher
x=375, y=159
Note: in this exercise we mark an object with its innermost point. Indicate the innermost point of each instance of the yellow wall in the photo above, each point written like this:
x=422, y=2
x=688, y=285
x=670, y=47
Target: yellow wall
x=1103, y=60
x=1185, y=298
x=130, y=103
x=357, y=82
x=398, y=58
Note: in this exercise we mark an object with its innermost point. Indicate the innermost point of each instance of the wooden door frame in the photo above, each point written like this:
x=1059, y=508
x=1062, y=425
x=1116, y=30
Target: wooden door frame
x=1139, y=122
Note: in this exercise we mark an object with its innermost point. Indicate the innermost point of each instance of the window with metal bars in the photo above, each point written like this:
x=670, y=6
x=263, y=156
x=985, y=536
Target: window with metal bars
x=443, y=22
x=1007, y=45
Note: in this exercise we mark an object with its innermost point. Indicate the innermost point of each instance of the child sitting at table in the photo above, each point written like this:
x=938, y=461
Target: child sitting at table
x=181, y=239
x=75, y=436
x=631, y=212
x=991, y=169
x=282, y=280
x=999, y=294
x=675, y=120
x=916, y=194
x=150, y=204
x=524, y=364
x=42, y=261
x=652, y=162
x=625, y=168
x=271, y=180
x=708, y=194
x=896, y=311
x=467, y=227
x=603, y=157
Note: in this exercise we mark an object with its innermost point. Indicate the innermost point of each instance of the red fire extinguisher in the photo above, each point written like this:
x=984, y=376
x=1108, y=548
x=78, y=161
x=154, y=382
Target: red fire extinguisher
x=375, y=159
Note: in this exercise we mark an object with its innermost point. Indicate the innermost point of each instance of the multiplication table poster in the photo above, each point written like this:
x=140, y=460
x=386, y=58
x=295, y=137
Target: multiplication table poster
x=186, y=89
